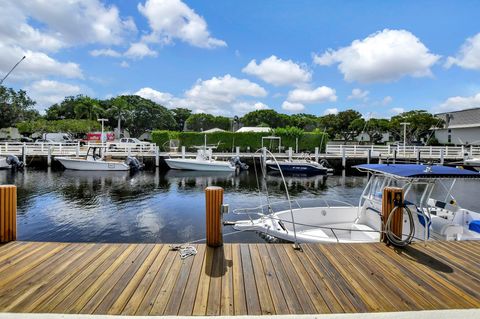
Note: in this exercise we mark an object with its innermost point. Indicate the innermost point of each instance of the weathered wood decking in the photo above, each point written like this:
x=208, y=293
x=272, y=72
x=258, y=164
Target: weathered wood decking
x=238, y=279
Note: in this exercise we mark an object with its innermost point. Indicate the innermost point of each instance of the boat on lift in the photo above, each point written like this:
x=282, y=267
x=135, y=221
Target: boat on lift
x=473, y=162
x=95, y=160
x=300, y=166
x=337, y=222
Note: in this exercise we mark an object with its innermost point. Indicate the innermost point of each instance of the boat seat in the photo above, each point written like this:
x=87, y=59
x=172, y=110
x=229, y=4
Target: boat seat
x=317, y=233
x=445, y=228
x=362, y=232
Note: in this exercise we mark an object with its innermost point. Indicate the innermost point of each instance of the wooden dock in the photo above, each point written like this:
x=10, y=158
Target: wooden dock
x=237, y=279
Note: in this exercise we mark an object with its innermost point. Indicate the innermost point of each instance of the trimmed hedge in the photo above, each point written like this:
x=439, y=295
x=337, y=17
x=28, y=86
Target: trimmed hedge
x=227, y=141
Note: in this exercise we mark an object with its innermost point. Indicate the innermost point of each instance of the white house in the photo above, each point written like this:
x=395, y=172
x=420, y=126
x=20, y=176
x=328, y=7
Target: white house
x=461, y=127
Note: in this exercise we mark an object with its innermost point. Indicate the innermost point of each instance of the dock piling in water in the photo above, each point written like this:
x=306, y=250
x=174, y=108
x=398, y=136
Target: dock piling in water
x=8, y=213
x=214, y=201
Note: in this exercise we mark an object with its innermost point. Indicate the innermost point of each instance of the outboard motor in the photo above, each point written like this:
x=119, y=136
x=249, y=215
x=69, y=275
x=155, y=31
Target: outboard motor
x=134, y=163
x=325, y=163
x=14, y=162
x=238, y=163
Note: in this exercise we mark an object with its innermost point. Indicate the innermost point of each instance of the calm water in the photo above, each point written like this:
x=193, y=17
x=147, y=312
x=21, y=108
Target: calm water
x=153, y=206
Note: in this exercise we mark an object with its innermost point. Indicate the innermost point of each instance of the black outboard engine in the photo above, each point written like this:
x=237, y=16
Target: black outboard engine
x=325, y=163
x=134, y=163
x=238, y=163
x=14, y=162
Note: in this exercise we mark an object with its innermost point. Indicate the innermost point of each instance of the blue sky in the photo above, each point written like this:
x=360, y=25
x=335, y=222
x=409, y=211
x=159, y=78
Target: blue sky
x=231, y=57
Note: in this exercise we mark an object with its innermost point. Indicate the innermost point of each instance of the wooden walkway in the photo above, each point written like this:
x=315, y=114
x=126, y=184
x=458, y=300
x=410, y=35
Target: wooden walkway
x=238, y=279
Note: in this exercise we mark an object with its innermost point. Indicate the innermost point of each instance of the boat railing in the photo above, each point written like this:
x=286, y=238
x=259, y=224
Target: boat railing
x=299, y=204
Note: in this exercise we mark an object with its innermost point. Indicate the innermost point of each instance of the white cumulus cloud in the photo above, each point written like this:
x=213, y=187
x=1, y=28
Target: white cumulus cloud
x=36, y=64
x=105, y=52
x=469, y=55
x=47, y=92
x=173, y=19
x=330, y=111
x=456, y=103
x=224, y=95
x=318, y=95
x=387, y=100
x=397, y=110
x=139, y=50
x=276, y=71
x=292, y=106
x=384, y=56
x=358, y=94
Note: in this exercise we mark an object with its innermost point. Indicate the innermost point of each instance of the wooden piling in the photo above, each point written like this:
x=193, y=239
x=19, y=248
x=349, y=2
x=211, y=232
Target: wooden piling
x=214, y=201
x=316, y=154
x=8, y=213
x=49, y=156
x=392, y=196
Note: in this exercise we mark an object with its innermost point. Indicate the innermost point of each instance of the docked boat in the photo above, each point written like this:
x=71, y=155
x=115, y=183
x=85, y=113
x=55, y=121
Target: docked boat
x=334, y=222
x=300, y=166
x=11, y=161
x=473, y=163
x=96, y=161
x=202, y=162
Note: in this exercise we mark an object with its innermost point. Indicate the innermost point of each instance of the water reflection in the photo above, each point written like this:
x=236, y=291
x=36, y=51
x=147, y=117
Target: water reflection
x=149, y=206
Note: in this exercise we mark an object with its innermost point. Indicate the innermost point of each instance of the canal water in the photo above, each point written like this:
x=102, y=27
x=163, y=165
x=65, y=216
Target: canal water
x=163, y=207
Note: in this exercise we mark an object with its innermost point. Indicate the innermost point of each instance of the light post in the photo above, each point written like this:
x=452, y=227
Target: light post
x=404, y=135
x=1, y=82
x=103, y=121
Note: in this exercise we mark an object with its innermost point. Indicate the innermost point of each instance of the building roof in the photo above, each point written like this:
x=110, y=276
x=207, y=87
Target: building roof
x=254, y=129
x=418, y=171
x=213, y=130
x=461, y=119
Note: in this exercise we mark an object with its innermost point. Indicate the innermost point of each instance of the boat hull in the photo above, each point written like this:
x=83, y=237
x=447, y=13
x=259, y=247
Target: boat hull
x=3, y=163
x=84, y=165
x=298, y=168
x=196, y=165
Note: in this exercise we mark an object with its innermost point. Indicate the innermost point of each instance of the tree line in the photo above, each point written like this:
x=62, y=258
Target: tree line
x=138, y=115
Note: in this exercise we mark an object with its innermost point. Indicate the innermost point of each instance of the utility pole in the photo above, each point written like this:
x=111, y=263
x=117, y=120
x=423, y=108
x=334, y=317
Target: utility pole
x=103, y=121
x=1, y=82
x=404, y=135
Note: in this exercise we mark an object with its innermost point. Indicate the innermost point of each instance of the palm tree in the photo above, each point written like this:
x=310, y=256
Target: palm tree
x=119, y=109
x=87, y=108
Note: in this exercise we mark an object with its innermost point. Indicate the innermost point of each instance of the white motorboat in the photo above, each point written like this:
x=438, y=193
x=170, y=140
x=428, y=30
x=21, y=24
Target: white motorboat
x=473, y=162
x=96, y=161
x=11, y=161
x=3, y=163
x=202, y=162
x=336, y=222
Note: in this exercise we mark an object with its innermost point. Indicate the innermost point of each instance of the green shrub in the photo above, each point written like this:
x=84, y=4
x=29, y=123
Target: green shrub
x=227, y=141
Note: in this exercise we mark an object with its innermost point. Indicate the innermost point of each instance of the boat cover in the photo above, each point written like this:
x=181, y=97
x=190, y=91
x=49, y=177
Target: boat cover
x=418, y=171
x=474, y=226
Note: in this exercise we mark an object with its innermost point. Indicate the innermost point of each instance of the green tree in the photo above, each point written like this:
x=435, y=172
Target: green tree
x=269, y=117
x=375, y=128
x=421, y=123
x=307, y=122
x=15, y=106
x=64, y=109
x=68, y=126
x=346, y=126
x=146, y=115
x=201, y=122
x=327, y=124
x=181, y=115
x=118, y=109
x=88, y=108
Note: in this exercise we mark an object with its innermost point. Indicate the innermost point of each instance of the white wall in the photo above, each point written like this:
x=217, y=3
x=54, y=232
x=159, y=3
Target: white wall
x=470, y=135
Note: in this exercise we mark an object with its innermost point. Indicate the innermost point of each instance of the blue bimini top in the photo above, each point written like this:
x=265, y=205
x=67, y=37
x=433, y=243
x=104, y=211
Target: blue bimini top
x=418, y=171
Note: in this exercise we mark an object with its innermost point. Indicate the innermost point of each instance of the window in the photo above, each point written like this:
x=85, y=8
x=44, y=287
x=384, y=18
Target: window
x=449, y=131
x=449, y=138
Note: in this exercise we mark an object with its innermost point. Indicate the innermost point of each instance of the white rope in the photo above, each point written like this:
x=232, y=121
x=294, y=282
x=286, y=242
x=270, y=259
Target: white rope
x=184, y=250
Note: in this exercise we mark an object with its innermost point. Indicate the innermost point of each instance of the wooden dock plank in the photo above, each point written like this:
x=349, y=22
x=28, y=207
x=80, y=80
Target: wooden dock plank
x=239, y=279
